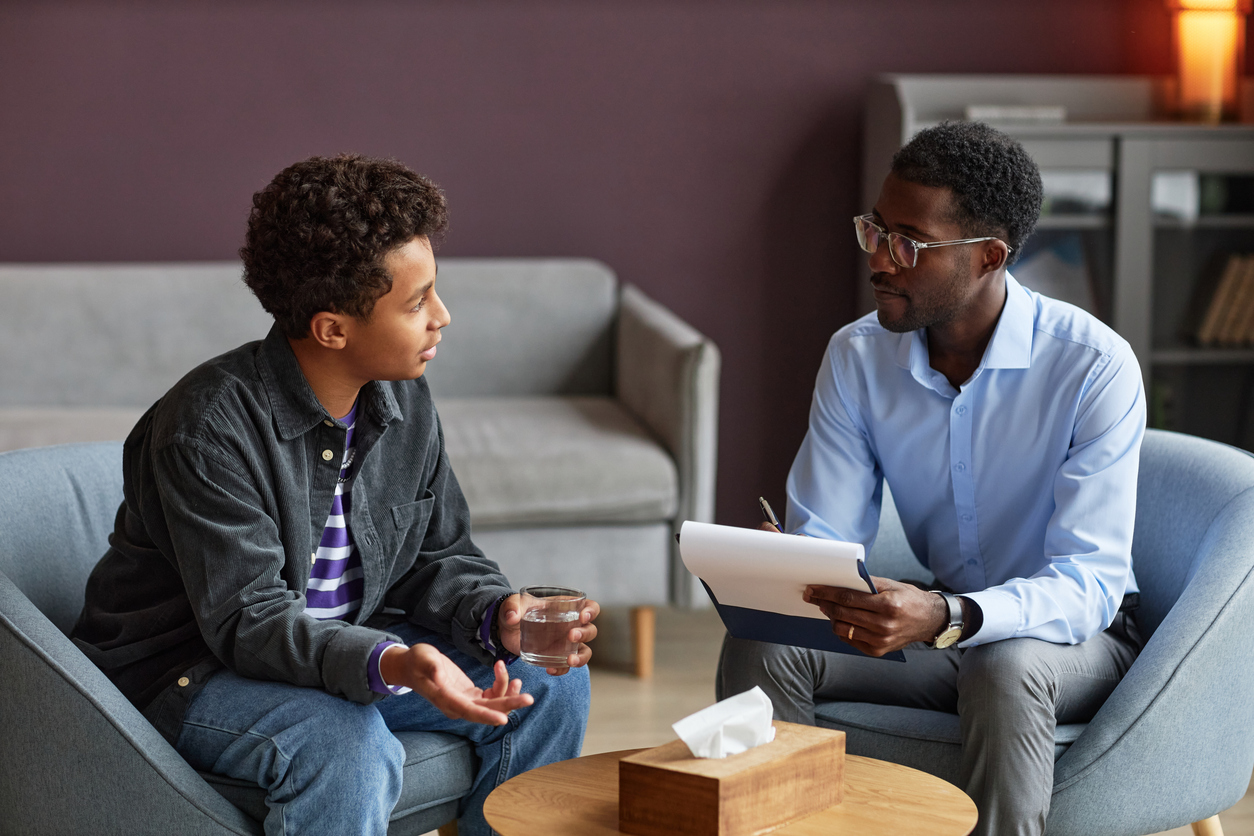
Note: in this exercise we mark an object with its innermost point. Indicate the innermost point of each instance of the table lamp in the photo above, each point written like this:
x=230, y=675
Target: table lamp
x=1209, y=38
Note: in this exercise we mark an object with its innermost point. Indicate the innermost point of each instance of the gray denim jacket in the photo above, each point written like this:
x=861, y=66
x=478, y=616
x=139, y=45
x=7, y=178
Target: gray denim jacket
x=228, y=481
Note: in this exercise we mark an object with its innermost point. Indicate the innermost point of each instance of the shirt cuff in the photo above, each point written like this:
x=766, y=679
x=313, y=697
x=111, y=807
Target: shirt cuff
x=374, y=674
x=1002, y=617
x=485, y=633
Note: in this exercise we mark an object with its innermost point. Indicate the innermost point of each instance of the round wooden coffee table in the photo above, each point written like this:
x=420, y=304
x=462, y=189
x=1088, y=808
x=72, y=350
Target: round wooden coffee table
x=579, y=797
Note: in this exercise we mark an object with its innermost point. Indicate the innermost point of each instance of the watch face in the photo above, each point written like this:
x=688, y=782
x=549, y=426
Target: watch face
x=947, y=638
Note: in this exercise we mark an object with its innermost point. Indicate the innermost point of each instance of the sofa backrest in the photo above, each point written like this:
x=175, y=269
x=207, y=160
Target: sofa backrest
x=116, y=335
x=525, y=327
x=58, y=513
x=120, y=335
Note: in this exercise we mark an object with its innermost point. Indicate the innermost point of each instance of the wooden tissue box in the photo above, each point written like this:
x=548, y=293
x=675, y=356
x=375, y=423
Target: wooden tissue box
x=666, y=790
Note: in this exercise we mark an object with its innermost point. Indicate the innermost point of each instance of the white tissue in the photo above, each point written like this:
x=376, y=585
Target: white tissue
x=734, y=725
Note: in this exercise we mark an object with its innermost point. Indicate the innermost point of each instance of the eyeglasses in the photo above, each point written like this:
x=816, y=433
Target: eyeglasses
x=904, y=251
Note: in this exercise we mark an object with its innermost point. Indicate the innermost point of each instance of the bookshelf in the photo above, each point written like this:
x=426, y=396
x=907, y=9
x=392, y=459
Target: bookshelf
x=1141, y=219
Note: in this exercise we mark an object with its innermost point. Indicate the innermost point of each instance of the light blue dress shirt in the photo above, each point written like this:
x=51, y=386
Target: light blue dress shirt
x=1017, y=490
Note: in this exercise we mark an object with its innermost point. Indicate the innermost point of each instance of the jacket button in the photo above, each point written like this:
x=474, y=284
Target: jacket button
x=327, y=455
x=328, y=422
x=184, y=682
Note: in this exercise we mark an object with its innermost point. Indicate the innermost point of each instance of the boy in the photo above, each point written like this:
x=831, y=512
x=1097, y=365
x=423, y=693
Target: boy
x=293, y=555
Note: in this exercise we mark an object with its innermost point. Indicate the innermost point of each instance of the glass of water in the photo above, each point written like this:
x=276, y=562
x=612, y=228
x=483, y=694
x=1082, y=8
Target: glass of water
x=549, y=614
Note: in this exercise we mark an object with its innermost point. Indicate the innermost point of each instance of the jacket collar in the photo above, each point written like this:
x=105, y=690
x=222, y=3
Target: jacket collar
x=296, y=409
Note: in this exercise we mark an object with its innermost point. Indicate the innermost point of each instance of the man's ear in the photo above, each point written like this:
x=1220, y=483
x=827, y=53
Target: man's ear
x=994, y=254
x=327, y=330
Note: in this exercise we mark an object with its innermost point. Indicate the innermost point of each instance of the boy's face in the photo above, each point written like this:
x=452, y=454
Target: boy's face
x=399, y=338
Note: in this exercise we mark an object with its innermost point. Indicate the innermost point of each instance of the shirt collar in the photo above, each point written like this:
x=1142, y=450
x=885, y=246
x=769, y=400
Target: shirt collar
x=1009, y=348
x=296, y=408
x=1011, y=345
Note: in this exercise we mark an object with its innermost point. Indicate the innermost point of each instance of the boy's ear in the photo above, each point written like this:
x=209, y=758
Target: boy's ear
x=327, y=330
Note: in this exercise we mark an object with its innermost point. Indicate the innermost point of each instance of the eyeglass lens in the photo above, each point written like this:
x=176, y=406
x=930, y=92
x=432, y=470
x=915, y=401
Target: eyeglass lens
x=900, y=247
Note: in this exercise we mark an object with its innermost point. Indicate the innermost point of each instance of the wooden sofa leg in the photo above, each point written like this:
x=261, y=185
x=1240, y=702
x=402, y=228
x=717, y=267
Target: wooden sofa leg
x=1208, y=827
x=642, y=640
x=449, y=829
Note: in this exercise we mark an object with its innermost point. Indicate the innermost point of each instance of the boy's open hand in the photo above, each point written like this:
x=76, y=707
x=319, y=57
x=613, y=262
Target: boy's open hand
x=509, y=623
x=446, y=686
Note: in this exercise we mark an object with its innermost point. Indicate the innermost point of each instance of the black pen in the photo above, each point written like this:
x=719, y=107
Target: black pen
x=769, y=514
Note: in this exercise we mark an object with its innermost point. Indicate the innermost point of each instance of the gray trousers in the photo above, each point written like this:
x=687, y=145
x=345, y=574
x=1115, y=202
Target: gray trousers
x=1009, y=696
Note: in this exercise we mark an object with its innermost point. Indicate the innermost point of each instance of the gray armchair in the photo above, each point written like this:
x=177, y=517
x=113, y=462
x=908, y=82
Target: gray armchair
x=75, y=755
x=1174, y=744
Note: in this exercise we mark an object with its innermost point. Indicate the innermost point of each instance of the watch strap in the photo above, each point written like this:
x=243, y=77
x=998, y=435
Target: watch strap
x=955, y=614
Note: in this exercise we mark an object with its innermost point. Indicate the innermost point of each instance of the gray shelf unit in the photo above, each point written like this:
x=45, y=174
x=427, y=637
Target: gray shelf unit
x=1156, y=278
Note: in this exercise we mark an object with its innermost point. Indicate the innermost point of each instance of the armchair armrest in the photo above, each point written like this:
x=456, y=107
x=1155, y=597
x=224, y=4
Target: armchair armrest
x=667, y=374
x=75, y=756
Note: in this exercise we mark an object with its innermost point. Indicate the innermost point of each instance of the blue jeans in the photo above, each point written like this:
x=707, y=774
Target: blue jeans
x=333, y=766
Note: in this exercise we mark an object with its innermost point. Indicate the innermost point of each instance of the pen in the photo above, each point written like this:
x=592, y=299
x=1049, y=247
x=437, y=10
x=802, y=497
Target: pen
x=769, y=514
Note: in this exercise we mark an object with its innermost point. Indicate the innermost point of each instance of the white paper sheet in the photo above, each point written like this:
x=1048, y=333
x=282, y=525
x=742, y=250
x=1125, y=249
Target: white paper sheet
x=761, y=570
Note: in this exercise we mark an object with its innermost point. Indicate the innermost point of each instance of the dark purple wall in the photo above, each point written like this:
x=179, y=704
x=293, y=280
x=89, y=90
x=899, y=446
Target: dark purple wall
x=708, y=151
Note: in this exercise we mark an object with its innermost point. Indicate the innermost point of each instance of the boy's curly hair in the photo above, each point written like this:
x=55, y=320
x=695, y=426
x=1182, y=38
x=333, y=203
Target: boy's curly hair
x=318, y=234
x=996, y=185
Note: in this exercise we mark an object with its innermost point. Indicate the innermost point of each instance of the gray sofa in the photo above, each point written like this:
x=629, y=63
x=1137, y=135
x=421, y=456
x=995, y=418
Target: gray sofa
x=580, y=416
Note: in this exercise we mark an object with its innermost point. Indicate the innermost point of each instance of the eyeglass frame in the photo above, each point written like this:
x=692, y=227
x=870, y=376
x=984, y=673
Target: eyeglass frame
x=869, y=219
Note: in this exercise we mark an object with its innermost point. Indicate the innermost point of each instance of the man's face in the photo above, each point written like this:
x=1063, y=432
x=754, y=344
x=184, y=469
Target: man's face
x=399, y=338
x=940, y=287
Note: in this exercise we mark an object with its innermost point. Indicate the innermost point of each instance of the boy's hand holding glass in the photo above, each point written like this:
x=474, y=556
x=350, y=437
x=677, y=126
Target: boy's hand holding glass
x=549, y=607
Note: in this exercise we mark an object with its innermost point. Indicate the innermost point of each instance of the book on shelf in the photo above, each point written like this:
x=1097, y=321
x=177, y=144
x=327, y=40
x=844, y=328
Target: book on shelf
x=1243, y=335
x=1229, y=318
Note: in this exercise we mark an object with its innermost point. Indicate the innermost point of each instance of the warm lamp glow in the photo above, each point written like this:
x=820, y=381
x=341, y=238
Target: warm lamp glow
x=1210, y=47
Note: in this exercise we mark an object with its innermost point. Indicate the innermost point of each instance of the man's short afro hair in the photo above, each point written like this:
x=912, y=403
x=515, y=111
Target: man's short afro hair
x=318, y=234
x=996, y=185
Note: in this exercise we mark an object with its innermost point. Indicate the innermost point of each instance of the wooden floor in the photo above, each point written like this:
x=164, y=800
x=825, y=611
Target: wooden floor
x=628, y=713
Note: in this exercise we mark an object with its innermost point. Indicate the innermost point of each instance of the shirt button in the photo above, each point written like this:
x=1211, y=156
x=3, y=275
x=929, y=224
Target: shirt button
x=971, y=562
x=966, y=518
x=962, y=410
x=184, y=682
x=328, y=422
x=960, y=467
x=327, y=455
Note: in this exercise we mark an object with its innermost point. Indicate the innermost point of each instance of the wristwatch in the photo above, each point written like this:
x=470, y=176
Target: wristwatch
x=953, y=630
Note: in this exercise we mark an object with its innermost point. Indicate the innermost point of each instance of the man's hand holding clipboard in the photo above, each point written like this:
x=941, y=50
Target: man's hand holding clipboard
x=882, y=621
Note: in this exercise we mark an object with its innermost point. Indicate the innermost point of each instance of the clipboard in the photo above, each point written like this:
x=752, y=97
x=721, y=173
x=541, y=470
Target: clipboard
x=755, y=579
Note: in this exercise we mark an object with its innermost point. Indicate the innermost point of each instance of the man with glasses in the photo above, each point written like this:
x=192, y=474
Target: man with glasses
x=1008, y=426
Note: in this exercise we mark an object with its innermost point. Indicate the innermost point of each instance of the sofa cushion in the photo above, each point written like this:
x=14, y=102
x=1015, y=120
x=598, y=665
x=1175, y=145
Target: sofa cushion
x=556, y=461
x=927, y=740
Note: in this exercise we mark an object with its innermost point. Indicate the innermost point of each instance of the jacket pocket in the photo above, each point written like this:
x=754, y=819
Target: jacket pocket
x=413, y=516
